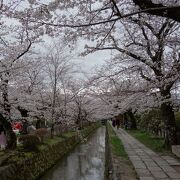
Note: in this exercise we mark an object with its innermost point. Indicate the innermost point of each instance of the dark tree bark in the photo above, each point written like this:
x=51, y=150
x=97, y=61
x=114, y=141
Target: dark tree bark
x=24, y=112
x=6, y=104
x=5, y=120
x=168, y=118
x=125, y=120
x=132, y=119
x=38, y=124
x=10, y=135
x=164, y=11
x=79, y=118
x=52, y=130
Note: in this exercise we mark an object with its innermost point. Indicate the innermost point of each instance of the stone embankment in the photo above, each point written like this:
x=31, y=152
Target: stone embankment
x=33, y=166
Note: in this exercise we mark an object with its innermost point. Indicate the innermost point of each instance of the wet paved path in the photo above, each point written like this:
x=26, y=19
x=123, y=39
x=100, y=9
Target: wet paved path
x=86, y=162
x=148, y=164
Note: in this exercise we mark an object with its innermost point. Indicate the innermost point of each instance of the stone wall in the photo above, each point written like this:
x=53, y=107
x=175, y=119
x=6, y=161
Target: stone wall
x=109, y=165
x=32, y=167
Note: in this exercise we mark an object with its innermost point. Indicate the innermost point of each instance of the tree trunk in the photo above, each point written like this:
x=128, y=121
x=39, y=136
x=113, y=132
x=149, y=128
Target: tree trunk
x=170, y=124
x=53, y=103
x=78, y=120
x=6, y=104
x=10, y=135
x=125, y=121
x=132, y=119
x=168, y=118
x=24, y=112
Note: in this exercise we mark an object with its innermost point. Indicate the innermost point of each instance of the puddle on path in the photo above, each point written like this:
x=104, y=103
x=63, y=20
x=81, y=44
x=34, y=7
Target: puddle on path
x=85, y=162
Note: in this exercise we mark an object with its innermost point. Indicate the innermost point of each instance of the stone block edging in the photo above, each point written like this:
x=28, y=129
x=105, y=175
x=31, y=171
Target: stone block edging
x=31, y=168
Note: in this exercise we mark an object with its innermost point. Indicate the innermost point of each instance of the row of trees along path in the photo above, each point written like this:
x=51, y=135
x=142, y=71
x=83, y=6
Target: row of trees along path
x=148, y=41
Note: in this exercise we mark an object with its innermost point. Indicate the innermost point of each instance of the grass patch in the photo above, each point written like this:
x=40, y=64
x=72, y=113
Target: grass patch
x=68, y=134
x=52, y=141
x=2, y=153
x=56, y=139
x=153, y=142
x=49, y=142
x=116, y=144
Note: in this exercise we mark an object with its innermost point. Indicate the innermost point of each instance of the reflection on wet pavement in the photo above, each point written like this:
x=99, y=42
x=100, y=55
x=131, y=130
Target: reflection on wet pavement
x=86, y=162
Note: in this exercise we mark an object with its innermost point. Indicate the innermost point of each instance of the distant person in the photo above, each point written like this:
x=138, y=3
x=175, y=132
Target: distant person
x=114, y=123
x=30, y=129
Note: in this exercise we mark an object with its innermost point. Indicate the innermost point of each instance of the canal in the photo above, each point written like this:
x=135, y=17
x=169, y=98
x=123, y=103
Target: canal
x=85, y=162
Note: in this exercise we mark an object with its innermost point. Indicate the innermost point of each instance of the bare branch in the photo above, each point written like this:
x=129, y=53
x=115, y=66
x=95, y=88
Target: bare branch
x=147, y=6
x=24, y=52
x=117, y=9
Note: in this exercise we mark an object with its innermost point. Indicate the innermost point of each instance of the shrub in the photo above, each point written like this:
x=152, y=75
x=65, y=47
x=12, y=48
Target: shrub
x=41, y=133
x=29, y=142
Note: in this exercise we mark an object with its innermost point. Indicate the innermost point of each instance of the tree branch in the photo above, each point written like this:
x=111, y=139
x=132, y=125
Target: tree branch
x=144, y=76
x=148, y=6
x=24, y=52
x=117, y=9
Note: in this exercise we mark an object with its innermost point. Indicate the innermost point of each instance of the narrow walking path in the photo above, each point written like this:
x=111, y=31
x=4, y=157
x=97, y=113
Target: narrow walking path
x=148, y=164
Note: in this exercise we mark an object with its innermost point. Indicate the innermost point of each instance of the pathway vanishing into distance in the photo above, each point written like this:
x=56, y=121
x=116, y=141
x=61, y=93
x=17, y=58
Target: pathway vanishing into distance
x=148, y=164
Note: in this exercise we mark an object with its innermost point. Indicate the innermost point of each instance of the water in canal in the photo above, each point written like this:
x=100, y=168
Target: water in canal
x=85, y=162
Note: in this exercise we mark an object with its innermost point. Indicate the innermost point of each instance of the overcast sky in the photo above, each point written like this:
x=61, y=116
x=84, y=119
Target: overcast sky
x=85, y=63
x=94, y=59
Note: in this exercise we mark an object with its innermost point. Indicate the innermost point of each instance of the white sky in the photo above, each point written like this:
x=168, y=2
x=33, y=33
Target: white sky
x=87, y=63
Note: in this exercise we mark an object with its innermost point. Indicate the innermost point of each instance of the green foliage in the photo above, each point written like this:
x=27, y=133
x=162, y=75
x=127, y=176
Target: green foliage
x=50, y=141
x=29, y=142
x=2, y=152
x=151, y=121
x=153, y=142
x=116, y=144
x=62, y=137
x=68, y=134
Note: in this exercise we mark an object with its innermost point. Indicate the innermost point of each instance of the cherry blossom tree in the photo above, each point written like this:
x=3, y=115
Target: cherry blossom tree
x=151, y=48
x=16, y=39
x=142, y=32
x=28, y=85
x=11, y=51
x=57, y=66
